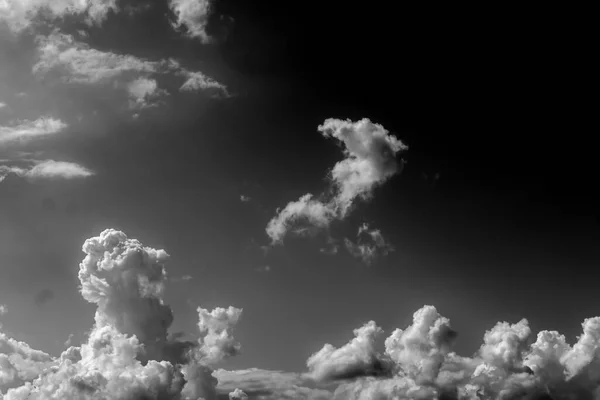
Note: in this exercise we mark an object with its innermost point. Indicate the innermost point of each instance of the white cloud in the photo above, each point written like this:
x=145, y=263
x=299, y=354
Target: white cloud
x=28, y=130
x=143, y=93
x=357, y=358
x=244, y=198
x=216, y=326
x=3, y=309
x=20, y=14
x=76, y=62
x=370, y=244
x=72, y=61
x=47, y=169
x=237, y=394
x=370, y=161
x=302, y=217
x=196, y=81
x=193, y=16
x=128, y=354
x=2, y=105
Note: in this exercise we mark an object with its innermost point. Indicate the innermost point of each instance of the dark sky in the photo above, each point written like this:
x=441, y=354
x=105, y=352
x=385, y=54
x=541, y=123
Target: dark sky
x=496, y=101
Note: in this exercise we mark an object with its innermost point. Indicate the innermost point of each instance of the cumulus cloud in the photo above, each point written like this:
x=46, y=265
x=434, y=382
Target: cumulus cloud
x=237, y=394
x=28, y=130
x=357, y=358
x=370, y=244
x=370, y=160
x=197, y=81
x=47, y=169
x=20, y=14
x=128, y=354
x=506, y=367
x=193, y=16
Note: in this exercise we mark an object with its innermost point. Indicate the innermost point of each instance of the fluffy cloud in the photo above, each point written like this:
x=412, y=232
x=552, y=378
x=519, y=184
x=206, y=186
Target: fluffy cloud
x=237, y=394
x=357, y=358
x=29, y=130
x=20, y=14
x=128, y=354
x=193, y=15
x=47, y=169
x=370, y=244
x=143, y=93
x=370, y=161
x=422, y=365
x=216, y=327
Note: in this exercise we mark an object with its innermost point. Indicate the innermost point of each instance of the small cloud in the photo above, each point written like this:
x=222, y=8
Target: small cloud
x=3, y=309
x=2, y=105
x=245, y=199
x=43, y=297
x=193, y=16
x=264, y=269
x=29, y=130
x=144, y=93
x=48, y=169
x=237, y=394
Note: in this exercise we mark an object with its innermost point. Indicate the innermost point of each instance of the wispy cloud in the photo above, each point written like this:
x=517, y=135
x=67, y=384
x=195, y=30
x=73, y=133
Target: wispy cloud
x=192, y=15
x=47, y=169
x=369, y=246
x=28, y=130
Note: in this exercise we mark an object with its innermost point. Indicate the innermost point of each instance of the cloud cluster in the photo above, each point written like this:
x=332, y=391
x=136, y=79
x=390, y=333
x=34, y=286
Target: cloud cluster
x=370, y=160
x=129, y=353
x=422, y=364
x=21, y=14
x=24, y=131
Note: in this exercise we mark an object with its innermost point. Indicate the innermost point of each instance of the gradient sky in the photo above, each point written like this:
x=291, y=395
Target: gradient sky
x=508, y=230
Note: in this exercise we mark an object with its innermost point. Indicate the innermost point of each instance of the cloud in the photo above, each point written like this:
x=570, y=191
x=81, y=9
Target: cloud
x=144, y=93
x=357, y=358
x=369, y=246
x=128, y=353
x=422, y=364
x=245, y=199
x=193, y=16
x=3, y=309
x=370, y=161
x=306, y=216
x=28, y=130
x=237, y=394
x=43, y=297
x=74, y=62
x=2, y=105
x=270, y=385
x=21, y=14
x=47, y=169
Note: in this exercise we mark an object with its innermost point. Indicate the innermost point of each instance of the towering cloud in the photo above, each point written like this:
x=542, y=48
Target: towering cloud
x=370, y=161
x=129, y=354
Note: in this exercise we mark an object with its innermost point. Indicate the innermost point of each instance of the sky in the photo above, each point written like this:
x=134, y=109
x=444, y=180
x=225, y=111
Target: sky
x=253, y=200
